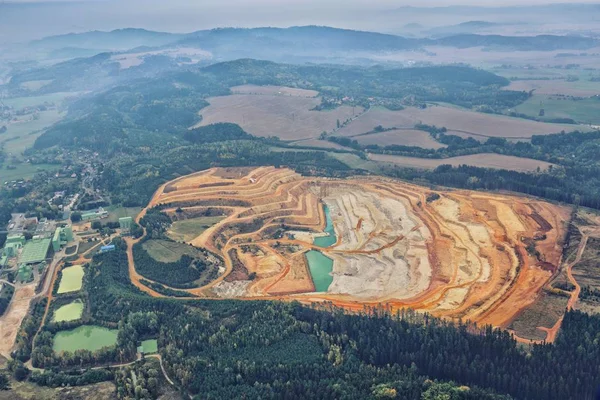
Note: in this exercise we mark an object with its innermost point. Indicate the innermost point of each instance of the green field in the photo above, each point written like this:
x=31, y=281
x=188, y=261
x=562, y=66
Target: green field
x=69, y=312
x=188, y=229
x=583, y=111
x=149, y=346
x=166, y=251
x=86, y=337
x=116, y=212
x=354, y=161
x=21, y=136
x=23, y=171
x=72, y=279
x=20, y=102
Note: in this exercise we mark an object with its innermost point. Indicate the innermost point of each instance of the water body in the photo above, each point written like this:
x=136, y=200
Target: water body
x=321, y=266
x=69, y=312
x=72, y=279
x=330, y=238
x=86, y=337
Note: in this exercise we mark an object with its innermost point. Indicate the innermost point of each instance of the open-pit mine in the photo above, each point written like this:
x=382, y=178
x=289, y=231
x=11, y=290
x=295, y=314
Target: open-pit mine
x=370, y=241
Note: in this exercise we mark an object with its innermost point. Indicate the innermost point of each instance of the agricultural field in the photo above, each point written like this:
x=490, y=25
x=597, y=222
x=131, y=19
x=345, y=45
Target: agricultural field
x=72, y=279
x=580, y=88
x=357, y=242
x=401, y=137
x=287, y=117
x=584, y=111
x=36, y=85
x=273, y=90
x=23, y=171
x=22, y=134
x=484, y=160
x=56, y=98
x=460, y=122
x=114, y=213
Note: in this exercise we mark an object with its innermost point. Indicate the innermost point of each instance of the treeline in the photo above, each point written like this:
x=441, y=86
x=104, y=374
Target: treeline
x=220, y=132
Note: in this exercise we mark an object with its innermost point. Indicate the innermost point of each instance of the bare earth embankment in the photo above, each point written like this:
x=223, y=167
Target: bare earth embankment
x=10, y=322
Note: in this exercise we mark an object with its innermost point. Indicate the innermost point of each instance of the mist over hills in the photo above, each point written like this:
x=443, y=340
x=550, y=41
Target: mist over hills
x=299, y=40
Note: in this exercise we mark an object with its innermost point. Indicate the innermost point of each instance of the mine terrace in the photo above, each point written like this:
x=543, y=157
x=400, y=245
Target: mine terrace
x=367, y=242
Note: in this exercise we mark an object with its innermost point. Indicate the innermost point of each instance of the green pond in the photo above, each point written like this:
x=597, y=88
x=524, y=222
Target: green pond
x=69, y=312
x=321, y=266
x=71, y=280
x=86, y=337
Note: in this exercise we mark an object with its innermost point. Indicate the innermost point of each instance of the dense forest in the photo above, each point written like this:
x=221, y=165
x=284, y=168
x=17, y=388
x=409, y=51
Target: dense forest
x=252, y=349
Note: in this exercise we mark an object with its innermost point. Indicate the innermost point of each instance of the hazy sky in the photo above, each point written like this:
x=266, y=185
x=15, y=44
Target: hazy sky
x=23, y=20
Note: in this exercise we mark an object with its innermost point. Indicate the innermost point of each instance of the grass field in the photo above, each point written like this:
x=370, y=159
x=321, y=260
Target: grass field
x=273, y=90
x=23, y=171
x=114, y=213
x=20, y=102
x=485, y=160
x=460, y=122
x=36, y=85
x=21, y=136
x=72, y=279
x=189, y=229
x=150, y=346
x=354, y=161
x=286, y=117
x=580, y=88
x=403, y=137
x=166, y=251
x=583, y=111
x=323, y=144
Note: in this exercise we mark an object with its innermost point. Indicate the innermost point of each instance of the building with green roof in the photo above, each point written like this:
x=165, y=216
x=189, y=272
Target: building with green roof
x=17, y=239
x=125, y=224
x=61, y=237
x=35, y=250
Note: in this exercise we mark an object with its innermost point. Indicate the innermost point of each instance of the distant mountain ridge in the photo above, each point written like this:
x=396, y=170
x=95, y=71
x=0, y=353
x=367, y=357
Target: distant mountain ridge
x=299, y=40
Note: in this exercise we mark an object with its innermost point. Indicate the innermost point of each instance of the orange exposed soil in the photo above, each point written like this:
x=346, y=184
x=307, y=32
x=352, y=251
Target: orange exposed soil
x=463, y=255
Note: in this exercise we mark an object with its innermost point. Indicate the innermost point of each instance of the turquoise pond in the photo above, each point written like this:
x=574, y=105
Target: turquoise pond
x=330, y=238
x=321, y=266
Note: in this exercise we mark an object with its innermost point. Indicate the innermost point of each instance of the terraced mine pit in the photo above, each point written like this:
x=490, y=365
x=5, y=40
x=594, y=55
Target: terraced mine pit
x=456, y=254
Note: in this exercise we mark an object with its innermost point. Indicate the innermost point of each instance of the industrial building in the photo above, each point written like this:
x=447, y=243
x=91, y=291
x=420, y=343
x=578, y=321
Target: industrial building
x=125, y=224
x=35, y=250
x=95, y=214
x=61, y=237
